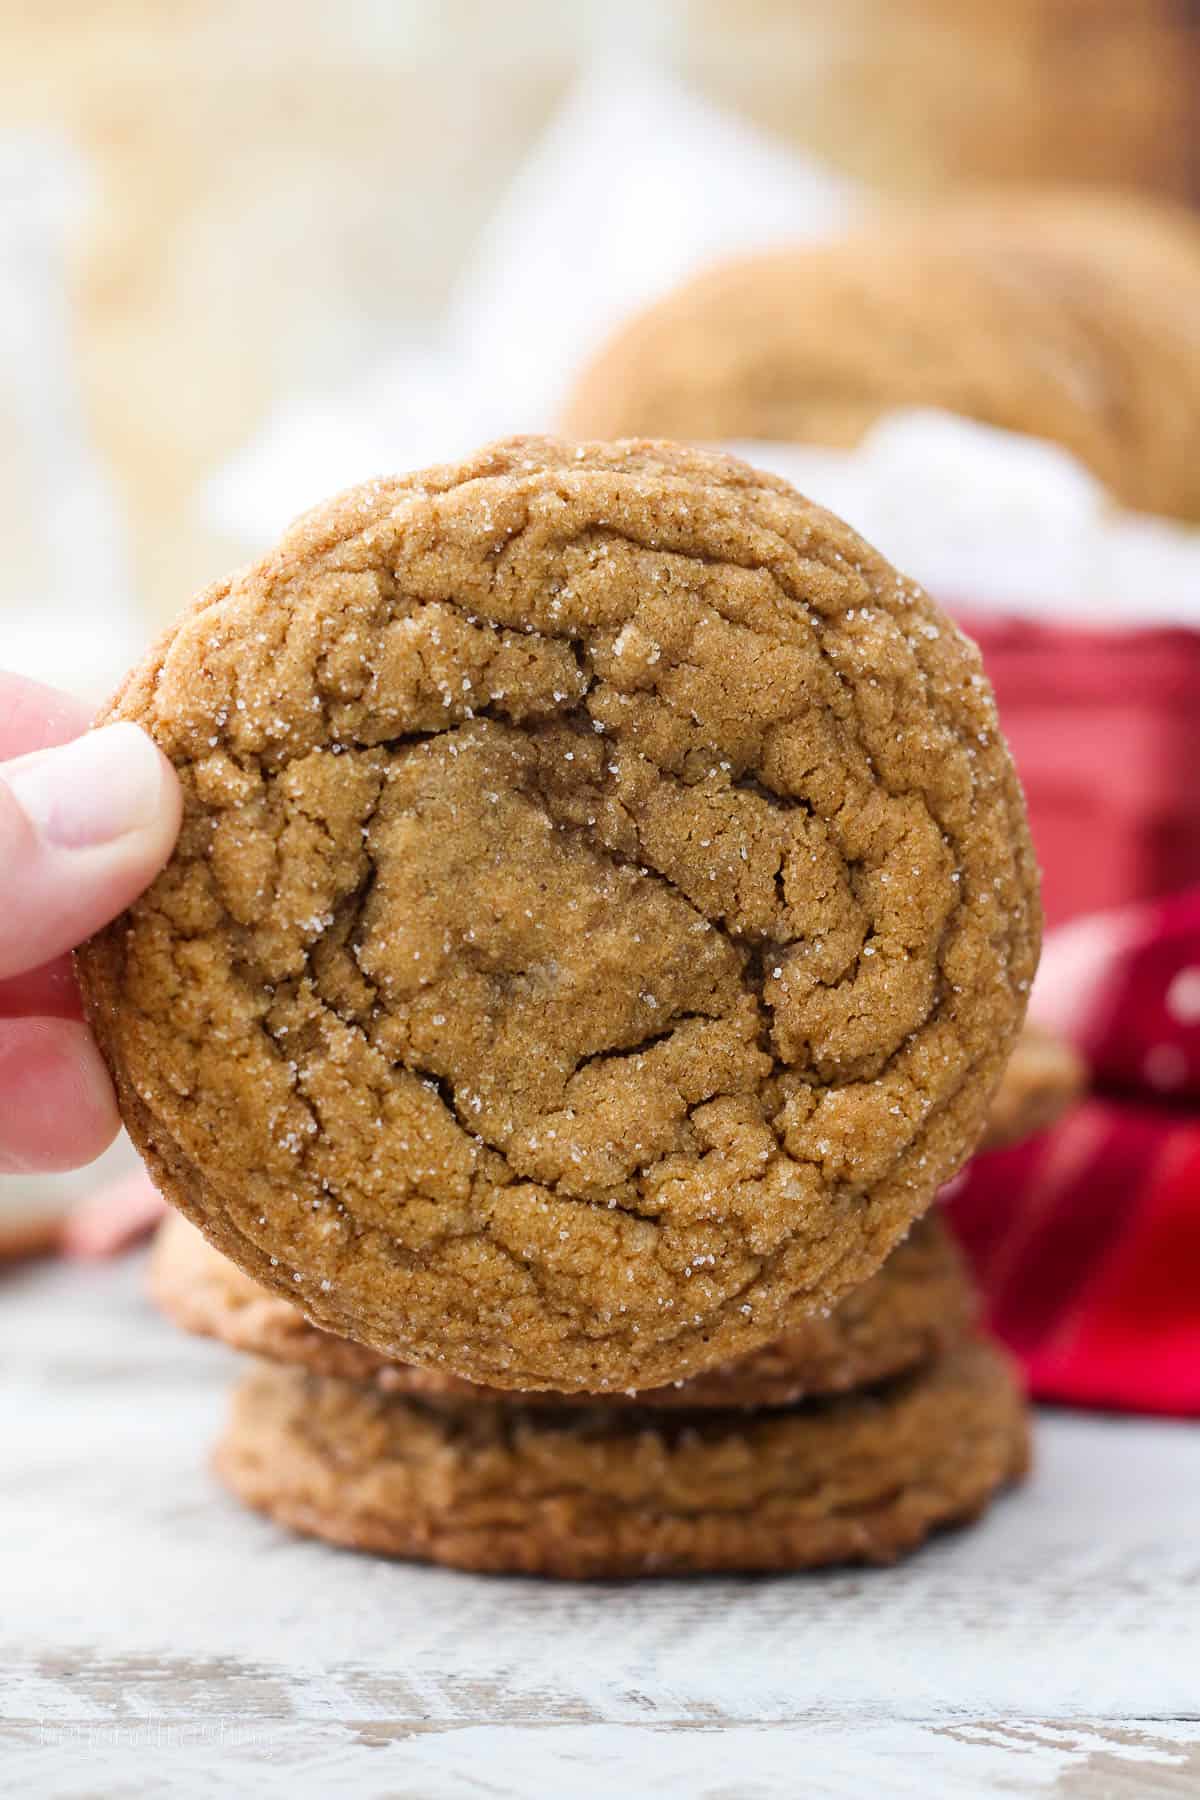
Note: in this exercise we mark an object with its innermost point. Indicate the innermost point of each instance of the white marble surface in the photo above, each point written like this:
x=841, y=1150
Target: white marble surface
x=153, y=1638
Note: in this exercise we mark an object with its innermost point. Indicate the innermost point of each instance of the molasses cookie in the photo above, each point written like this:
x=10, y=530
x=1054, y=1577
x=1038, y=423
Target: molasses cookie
x=919, y=1303
x=603, y=910
x=597, y=1491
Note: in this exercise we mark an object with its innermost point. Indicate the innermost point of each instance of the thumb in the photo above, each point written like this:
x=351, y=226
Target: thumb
x=83, y=829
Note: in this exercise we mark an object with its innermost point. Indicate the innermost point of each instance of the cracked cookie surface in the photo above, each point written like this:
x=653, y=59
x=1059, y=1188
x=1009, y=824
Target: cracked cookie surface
x=603, y=909
x=594, y=1491
x=919, y=1303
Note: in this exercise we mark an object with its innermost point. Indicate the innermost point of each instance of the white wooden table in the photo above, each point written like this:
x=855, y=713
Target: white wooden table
x=157, y=1640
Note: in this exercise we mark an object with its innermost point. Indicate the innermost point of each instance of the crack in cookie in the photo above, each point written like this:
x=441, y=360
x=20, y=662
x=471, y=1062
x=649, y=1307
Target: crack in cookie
x=603, y=910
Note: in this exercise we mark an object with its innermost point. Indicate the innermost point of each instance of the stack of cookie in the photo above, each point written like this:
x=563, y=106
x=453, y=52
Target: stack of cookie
x=603, y=912
x=851, y=1439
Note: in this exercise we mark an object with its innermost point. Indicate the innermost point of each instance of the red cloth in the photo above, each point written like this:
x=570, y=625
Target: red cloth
x=1087, y=1240
x=1087, y=1244
x=1103, y=726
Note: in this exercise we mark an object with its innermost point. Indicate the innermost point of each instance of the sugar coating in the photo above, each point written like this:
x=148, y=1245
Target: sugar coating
x=918, y=1304
x=593, y=1491
x=458, y=999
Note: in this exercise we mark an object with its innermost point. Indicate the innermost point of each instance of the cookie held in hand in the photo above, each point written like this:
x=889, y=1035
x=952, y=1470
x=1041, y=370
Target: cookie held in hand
x=918, y=1304
x=603, y=909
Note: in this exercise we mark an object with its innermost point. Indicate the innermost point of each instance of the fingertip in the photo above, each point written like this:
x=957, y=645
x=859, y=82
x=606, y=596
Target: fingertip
x=169, y=817
x=58, y=1107
x=83, y=830
x=123, y=863
x=110, y=785
x=150, y=813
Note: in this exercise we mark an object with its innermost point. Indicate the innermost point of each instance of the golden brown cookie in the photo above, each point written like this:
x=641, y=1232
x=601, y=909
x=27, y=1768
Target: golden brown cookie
x=1133, y=235
x=1043, y=1080
x=1126, y=271
x=1061, y=318
x=603, y=909
x=919, y=1303
x=597, y=1491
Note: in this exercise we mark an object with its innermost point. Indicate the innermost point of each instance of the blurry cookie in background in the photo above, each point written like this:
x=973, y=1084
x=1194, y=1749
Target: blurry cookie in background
x=200, y=305
x=1044, y=1078
x=27, y=1230
x=911, y=96
x=97, y=1210
x=1066, y=317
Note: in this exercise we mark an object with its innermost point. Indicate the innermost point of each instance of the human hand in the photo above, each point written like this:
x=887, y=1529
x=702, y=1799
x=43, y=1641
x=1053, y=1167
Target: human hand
x=86, y=822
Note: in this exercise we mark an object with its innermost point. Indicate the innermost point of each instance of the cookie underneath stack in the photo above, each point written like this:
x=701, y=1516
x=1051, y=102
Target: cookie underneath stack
x=850, y=1440
x=597, y=1491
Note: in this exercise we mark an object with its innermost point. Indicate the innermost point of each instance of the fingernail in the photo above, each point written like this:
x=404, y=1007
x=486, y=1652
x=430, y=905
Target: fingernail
x=98, y=788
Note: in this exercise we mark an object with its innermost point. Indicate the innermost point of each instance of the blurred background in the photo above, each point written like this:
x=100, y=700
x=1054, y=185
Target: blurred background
x=251, y=252
x=214, y=206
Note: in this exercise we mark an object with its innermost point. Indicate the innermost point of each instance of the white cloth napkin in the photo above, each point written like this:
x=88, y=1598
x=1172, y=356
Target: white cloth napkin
x=1000, y=522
